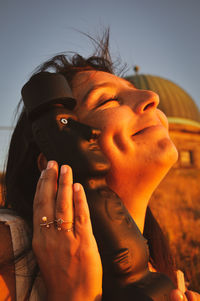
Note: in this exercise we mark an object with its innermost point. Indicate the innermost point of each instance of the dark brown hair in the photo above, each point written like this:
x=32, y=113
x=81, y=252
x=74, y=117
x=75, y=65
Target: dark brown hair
x=22, y=173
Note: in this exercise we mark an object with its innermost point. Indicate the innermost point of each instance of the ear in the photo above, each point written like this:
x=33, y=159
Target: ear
x=41, y=162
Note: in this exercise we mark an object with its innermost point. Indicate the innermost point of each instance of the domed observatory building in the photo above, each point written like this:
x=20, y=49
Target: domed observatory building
x=176, y=202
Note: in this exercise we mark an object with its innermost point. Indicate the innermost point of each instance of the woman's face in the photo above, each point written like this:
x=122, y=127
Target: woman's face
x=134, y=132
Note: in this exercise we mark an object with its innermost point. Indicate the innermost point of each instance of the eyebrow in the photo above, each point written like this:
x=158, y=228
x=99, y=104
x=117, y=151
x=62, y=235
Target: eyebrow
x=103, y=85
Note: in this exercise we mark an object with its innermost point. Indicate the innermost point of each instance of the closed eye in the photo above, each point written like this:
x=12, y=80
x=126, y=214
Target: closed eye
x=107, y=101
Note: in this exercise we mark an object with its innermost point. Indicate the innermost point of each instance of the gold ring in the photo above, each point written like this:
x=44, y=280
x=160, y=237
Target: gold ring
x=45, y=223
x=60, y=221
x=68, y=230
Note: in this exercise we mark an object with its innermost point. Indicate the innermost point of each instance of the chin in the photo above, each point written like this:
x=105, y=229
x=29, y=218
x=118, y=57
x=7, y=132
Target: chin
x=148, y=171
x=162, y=163
x=166, y=157
x=168, y=151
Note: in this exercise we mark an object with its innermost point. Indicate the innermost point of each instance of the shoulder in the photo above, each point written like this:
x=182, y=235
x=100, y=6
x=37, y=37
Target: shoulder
x=12, y=227
x=7, y=271
x=6, y=250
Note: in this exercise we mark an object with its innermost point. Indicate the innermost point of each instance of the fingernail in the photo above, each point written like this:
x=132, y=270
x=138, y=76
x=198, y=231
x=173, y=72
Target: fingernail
x=63, y=169
x=77, y=187
x=42, y=174
x=50, y=164
x=180, y=295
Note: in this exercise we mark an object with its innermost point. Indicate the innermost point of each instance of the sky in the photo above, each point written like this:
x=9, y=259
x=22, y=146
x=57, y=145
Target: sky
x=160, y=36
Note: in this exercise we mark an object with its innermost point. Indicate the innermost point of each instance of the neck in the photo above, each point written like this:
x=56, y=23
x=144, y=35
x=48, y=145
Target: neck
x=135, y=196
x=137, y=206
x=138, y=215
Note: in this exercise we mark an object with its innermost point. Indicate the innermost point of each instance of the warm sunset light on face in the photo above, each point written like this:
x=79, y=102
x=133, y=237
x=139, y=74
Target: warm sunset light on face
x=99, y=150
x=134, y=135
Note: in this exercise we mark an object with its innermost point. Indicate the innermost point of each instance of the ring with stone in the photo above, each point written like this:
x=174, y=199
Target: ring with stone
x=45, y=223
x=59, y=223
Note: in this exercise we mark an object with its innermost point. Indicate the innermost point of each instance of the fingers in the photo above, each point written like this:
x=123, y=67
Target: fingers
x=177, y=295
x=192, y=296
x=64, y=203
x=44, y=201
x=83, y=225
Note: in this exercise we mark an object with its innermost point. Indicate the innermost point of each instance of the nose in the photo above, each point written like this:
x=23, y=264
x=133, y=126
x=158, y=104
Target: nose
x=145, y=100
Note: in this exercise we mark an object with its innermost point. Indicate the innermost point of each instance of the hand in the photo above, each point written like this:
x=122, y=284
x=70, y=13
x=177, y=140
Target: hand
x=68, y=259
x=177, y=295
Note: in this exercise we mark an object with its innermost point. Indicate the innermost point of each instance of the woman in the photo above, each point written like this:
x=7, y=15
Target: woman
x=134, y=138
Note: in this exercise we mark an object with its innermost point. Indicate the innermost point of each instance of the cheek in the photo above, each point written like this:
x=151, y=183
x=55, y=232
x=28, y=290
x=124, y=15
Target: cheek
x=99, y=120
x=163, y=118
x=140, y=159
x=103, y=122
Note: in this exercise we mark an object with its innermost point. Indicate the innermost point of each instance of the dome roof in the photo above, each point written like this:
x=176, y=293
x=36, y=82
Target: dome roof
x=174, y=101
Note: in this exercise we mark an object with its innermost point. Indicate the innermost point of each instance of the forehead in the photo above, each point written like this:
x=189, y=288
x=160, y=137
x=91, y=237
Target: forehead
x=87, y=81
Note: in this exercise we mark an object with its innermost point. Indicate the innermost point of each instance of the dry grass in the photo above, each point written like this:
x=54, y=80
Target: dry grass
x=176, y=205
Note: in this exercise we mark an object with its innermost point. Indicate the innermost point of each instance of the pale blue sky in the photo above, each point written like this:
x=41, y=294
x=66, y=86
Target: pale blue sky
x=161, y=36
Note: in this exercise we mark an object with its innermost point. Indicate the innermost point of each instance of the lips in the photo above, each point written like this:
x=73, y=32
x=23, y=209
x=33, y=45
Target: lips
x=158, y=121
x=140, y=131
x=144, y=129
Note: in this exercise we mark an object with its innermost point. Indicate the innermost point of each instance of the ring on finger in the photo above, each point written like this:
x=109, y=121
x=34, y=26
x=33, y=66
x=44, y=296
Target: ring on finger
x=67, y=230
x=59, y=222
x=45, y=223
